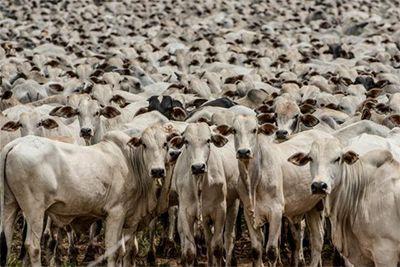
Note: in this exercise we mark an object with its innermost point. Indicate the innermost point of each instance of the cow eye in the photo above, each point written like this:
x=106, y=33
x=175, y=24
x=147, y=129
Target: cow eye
x=208, y=141
x=144, y=145
x=234, y=131
x=336, y=160
x=254, y=131
x=97, y=113
x=165, y=145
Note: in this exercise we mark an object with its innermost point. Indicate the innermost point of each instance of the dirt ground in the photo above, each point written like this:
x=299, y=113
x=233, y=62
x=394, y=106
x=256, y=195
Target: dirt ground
x=242, y=251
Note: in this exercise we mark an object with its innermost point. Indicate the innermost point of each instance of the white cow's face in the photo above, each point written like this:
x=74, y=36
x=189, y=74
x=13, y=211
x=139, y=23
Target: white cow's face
x=326, y=159
x=245, y=130
x=197, y=139
x=31, y=123
x=153, y=145
x=88, y=113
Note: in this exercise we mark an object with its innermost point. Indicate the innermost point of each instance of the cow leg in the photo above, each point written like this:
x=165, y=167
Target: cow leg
x=47, y=232
x=9, y=213
x=217, y=244
x=113, y=232
x=172, y=214
x=208, y=236
x=151, y=255
x=229, y=234
x=256, y=239
x=91, y=250
x=52, y=250
x=186, y=234
x=315, y=223
x=274, y=233
x=34, y=220
x=297, y=233
x=72, y=251
x=132, y=250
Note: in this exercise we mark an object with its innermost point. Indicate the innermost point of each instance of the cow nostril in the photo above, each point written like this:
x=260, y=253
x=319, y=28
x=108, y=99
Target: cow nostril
x=282, y=133
x=198, y=168
x=85, y=132
x=157, y=173
x=319, y=188
x=243, y=153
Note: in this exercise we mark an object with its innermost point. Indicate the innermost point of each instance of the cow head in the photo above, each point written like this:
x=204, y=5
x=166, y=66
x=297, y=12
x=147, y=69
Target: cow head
x=326, y=159
x=89, y=114
x=152, y=147
x=245, y=129
x=31, y=123
x=289, y=118
x=197, y=140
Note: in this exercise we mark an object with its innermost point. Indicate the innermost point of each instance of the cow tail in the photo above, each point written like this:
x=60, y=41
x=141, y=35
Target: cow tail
x=3, y=241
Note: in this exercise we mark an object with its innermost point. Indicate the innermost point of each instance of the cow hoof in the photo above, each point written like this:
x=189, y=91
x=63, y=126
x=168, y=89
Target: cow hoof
x=233, y=260
x=272, y=254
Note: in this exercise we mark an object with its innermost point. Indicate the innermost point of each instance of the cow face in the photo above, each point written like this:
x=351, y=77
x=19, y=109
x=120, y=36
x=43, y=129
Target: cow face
x=89, y=115
x=31, y=123
x=197, y=140
x=326, y=162
x=245, y=130
x=289, y=117
x=153, y=148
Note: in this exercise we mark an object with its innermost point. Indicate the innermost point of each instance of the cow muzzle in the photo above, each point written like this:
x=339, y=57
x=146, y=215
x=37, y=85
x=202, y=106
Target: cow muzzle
x=198, y=169
x=157, y=173
x=173, y=155
x=86, y=133
x=282, y=135
x=243, y=153
x=319, y=188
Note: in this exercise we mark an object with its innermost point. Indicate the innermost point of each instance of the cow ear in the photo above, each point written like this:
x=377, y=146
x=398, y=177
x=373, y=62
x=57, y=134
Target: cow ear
x=307, y=108
x=56, y=87
x=177, y=141
x=383, y=108
x=299, y=159
x=65, y=112
x=350, y=157
x=48, y=124
x=224, y=129
x=310, y=101
x=202, y=119
x=141, y=111
x=309, y=120
x=267, y=129
x=266, y=117
x=109, y=112
x=6, y=95
x=171, y=135
x=264, y=109
x=395, y=119
x=178, y=114
x=219, y=140
x=366, y=114
x=120, y=100
x=11, y=126
x=373, y=93
x=332, y=106
x=134, y=142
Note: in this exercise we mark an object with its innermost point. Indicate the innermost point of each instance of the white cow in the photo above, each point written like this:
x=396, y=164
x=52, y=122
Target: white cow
x=205, y=177
x=362, y=200
x=270, y=187
x=73, y=184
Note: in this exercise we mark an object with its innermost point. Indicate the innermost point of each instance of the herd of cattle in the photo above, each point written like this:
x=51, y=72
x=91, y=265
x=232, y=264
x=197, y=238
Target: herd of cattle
x=113, y=113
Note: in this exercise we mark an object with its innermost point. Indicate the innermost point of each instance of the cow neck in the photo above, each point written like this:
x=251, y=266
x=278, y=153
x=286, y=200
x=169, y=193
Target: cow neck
x=140, y=174
x=344, y=203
